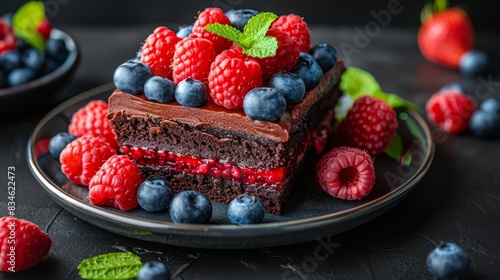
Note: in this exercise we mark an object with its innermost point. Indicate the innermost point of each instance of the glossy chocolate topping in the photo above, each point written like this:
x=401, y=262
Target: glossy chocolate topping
x=218, y=117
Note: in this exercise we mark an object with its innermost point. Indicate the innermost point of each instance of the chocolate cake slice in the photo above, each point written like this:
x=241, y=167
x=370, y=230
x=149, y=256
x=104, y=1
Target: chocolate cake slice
x=220, y=152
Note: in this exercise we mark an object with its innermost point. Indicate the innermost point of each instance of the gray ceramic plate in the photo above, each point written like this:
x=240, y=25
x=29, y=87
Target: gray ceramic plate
x=311, y=214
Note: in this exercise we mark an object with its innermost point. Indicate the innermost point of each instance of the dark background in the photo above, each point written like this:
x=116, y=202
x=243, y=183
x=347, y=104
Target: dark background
x=336, y=12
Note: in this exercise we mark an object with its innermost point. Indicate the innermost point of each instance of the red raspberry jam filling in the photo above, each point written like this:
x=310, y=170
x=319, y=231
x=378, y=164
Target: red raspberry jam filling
x=203, y=166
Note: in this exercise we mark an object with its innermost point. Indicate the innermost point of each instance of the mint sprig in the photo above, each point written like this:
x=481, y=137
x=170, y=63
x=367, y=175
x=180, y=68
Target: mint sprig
x=253, y=39
x=356, y=82
x=26, y=21
x=111, y=266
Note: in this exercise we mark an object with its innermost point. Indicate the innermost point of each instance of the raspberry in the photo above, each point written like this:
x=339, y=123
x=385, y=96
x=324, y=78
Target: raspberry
x=287, y=55
x=369, y=125
x=451, y=110
x=158, y=51
x=211, y=15
x=81, y=158
x=31, y=245
x=92, y=120
x=45, y=28
x=346, y=173
x=116, y=183
x=7, y=37
x=295, y=27
x=192, y=59
x=231, y=77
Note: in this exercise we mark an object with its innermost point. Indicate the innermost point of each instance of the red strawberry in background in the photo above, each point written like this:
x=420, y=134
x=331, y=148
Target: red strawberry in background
x=446, y=34
x=25, y=241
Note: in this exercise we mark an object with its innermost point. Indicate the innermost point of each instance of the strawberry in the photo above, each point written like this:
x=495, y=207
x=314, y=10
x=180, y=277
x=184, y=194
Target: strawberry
x=445, y=35
x=158, y=51
x=92, y=119
x=231, y=76
x=115, y=183
x=22, y=244
x=451, y=110
x=346, y=173
x=295, y=27
x=369, y=125
x=210, y=16
x=83, y=157
x=192, y=59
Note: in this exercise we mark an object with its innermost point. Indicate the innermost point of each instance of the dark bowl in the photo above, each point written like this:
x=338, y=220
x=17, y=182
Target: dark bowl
x=39, y=93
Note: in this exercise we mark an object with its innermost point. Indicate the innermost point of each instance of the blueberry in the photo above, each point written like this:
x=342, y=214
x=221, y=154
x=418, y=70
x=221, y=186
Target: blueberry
x=484, y=124
x=325, y=55
x=33, y=59
x=160, y=89
x=191, y=93
x=50, y=65
x=7, y=18
x=10, y=60
x=240, y=17
x=264, y=104
x=153, y=270
x=22, y=45
x=56, y=49
x=448, y=261
x=474, y=62
x=245, y=209
x=308, y=70
x=490, y=105
x=131, y=76
x=184, y=31
x=154, y=194
x=20, y=76
x=290, y=85
x=190, y=207
x=58, y=142
x=452, y=86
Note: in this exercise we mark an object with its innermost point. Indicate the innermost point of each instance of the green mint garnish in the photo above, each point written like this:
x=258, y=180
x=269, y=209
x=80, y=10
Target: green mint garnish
x=26, y=21
x=430, y=8
x=118, y=265
x=356, y=82
x=253, y=39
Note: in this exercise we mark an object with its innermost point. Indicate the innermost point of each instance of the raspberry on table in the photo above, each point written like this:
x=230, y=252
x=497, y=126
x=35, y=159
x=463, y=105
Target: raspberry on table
x=346, y=173
x=92, y=119
x=192, y=59
x=158, y=51
x=231, y=77
x=208, y=16
x=295, y=27
x=31, y=244
x=451, y=110
x=83, y=157
x=369, y=125
x=115, y=183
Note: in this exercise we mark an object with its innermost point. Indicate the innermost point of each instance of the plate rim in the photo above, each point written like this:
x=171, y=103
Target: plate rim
x=215, y=230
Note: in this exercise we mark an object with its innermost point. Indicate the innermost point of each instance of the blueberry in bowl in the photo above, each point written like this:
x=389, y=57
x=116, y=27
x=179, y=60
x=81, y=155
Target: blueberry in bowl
x=34, y=64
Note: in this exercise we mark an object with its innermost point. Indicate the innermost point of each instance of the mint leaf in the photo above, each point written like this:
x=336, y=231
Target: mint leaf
x=253, y=39
x=395, y=149
x=111, y=266
x=258, y=25
x=26, y=21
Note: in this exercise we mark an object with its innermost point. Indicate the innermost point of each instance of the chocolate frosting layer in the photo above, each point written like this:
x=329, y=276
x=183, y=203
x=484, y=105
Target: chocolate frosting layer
x=218, y=117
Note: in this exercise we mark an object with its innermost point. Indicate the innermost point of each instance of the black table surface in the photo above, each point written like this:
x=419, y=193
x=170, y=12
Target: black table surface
x=458, y=200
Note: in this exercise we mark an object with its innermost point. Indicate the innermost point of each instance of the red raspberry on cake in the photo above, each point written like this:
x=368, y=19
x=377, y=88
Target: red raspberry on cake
x=26, y=248
x=192, y=59
x=81, y=158
x=92, y=119
x=369, y=125
x=287, y=55
x=208, y=16
x=346, y=173
x=295, y=27
x=158, y=51
x=451, y=110
x=116, y=183
x=231, y=76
